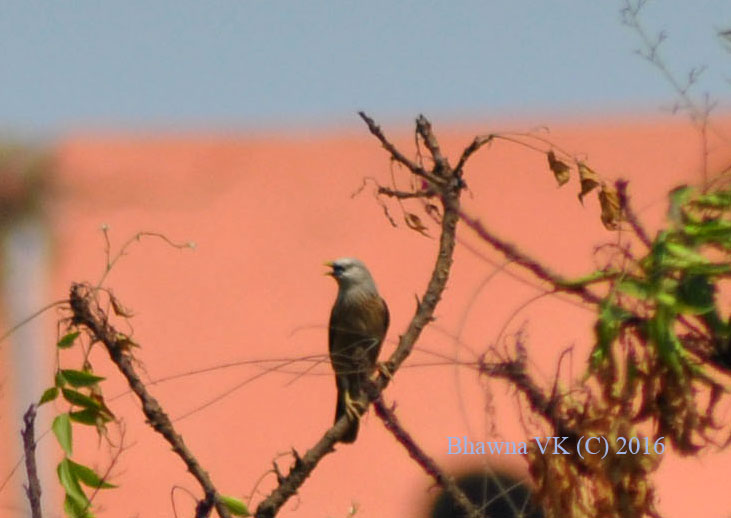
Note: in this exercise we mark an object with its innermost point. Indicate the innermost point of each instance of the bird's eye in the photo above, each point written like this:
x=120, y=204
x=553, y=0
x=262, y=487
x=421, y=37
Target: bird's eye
x=338, y=269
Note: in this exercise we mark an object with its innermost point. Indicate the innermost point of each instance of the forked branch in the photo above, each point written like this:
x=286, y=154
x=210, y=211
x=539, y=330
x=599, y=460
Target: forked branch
x=88, y=314
x=447, y=186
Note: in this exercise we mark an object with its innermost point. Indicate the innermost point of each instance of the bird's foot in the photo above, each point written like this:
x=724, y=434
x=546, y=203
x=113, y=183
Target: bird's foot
x=384, y=370
x=353, y=409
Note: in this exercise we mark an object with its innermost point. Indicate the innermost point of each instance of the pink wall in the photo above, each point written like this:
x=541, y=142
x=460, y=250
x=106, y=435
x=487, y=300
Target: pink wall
x=265, y=213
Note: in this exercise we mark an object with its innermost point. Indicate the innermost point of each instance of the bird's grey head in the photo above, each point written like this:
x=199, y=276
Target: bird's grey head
x=351, y=273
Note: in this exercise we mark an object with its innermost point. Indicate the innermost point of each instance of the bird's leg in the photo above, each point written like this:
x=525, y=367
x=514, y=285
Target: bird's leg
x=383, y=369
x=354, y=409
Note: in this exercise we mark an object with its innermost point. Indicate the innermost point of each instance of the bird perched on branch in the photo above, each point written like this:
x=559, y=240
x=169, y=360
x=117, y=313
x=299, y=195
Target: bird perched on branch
x=358, y=324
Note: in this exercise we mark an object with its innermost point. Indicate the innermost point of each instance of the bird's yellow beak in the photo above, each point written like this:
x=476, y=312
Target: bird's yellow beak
x=330, y=265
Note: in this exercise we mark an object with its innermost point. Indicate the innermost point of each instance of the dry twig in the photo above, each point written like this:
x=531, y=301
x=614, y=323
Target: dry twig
x=33, y=491
x=88, y=313
x=447, y=185
x=444, y=480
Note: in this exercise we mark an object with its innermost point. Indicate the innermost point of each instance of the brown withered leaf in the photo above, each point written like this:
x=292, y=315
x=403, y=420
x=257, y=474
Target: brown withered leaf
x=96, y=395
x=560, y=169
x=414, y=222
x=118, y=308
x=589, y=180
x=125, y=343
x=611, y=211
x=432, y=210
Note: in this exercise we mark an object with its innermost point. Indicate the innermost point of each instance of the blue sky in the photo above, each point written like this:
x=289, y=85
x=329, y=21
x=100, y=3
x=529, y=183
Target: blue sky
x=271, y=64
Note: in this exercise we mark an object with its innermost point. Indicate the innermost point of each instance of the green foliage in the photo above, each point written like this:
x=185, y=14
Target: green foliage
x=62, y=430
x=80, y=399
x=75, y=496
x=49, y=395
x=235, y=506
x=82, y=391
x=80, y=378
x=662, y=315
x=676, y=278
x=71, y=475
x=607, y=328
x=88, y=476
x=68, y=340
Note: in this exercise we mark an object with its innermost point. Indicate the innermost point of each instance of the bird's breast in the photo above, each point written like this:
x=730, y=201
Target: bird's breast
x=363, y=312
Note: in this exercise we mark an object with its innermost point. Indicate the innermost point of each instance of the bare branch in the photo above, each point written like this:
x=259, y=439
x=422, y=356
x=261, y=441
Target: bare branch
x=514, y=254
x=395, y=153
x=33, y=491
x=479, y=141
x=405, y=195
x=423, y=129
x=88, y=313
x=445, y=481
x=448, y=187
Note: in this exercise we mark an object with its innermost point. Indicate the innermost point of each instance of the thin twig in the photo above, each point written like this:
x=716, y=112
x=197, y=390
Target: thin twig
x=428, y=464
x=33, y=491
x=629, y=214
x=31, y=317
x=111, y=261
x=515, y=372
x=479, y=141
x=88, y=313
x=395, y=153
x=540, y=271
x=405, y=195
x=448, y=188
x=423, y=129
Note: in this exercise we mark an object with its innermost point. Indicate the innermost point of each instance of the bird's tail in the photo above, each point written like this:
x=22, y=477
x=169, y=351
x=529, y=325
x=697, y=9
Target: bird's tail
x=340, y=411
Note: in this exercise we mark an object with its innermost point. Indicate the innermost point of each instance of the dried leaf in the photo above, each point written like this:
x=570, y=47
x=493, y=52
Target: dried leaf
x=589, y=180
x=118, y=308
x=414, y=222
x=611, y=211
x=125, y=343
x=432, y=210
x=560, y=169
x=96, y=395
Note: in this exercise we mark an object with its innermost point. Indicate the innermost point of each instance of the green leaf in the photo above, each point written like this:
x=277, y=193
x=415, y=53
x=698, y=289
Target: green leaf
x=678, y=197
x=77, y=398
x=62, y=430
x=695, y=295
x=606, y=329
x=714, y=200
x=661, y=333
x=59, y=380
x=67, y=340
x=634, y=287
x=49, y=395
x=709, y=269
x=80, y=378
x=658, y=255
x=591, y=278
x=718, y=231
x=70, y=483
x=88, y=476
x=87, y=416
x=73, y=510
x=667, y=299
x=685, y=253
x=234, y=505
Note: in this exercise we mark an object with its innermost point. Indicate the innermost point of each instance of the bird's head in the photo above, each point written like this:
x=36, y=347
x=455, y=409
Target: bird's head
x=350, y=273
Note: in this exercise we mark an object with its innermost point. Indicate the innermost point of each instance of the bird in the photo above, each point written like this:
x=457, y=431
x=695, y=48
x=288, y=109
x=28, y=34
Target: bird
x=358, y=323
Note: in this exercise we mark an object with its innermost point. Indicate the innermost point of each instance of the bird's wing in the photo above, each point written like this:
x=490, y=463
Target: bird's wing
x=386, y=316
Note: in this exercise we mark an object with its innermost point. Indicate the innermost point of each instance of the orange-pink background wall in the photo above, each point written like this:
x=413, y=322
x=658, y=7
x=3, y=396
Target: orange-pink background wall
x=265, y=211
